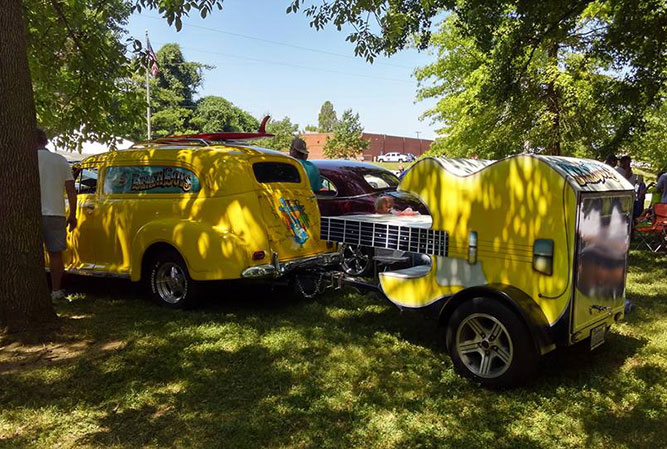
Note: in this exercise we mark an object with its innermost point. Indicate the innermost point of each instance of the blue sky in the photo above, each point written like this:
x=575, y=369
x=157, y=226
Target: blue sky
x=291, y=80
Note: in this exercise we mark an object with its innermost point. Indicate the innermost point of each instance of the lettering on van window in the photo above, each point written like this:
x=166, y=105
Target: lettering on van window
x=296, y=219
x=150, y=179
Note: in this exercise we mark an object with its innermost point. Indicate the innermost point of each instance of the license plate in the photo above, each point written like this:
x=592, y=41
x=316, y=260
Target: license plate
x=597, y=336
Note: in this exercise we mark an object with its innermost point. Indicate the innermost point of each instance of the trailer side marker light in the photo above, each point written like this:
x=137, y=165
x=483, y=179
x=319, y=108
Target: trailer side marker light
x=543, y=256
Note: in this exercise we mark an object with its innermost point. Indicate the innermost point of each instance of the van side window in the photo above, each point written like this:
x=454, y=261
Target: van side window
x=85, y=180
x=275, y=172
x=150, y=179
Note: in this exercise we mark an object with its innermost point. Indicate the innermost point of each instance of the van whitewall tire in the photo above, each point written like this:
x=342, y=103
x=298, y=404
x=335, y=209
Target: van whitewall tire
x=490, y=344
x=169, y=281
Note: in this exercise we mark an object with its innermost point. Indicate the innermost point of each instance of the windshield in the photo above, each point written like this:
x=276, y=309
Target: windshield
x=381, y=180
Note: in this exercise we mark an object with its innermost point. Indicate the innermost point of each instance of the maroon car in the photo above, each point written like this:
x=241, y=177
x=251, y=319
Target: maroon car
x=350, y=187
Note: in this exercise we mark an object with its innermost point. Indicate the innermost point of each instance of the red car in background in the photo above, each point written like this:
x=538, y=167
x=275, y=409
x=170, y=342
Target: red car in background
x=351, y=187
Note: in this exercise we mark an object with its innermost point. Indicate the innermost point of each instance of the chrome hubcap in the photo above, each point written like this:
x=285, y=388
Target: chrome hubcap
x=484, y=345
x=354, y=260
x=170, y=283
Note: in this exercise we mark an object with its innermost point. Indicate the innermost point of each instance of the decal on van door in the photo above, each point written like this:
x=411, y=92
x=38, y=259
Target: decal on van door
x=296, y=219
x=150, y=179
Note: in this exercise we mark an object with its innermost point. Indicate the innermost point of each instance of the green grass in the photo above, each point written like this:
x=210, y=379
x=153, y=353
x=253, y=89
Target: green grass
x=345, y=370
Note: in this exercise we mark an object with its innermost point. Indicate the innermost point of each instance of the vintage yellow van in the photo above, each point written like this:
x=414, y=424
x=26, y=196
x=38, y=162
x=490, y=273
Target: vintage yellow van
x=528, y=253
x=173, y=212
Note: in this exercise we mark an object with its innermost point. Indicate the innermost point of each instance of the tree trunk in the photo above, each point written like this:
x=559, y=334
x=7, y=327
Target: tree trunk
x=24, y=298
x=553, y=102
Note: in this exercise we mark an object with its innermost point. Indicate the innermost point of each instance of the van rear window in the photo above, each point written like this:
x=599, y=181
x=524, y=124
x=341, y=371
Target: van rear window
x=275, y=172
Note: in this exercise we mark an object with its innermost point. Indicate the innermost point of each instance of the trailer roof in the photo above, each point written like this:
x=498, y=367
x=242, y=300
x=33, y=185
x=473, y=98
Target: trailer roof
x=584, y=175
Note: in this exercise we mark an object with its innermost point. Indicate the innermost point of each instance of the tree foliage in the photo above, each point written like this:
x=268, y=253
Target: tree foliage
x=327, y=118
x=216, y=114
x=555, y=110
x=284, y=131
x=619, y=44
x=347, y=141
x=81, y=75
x=172, y=92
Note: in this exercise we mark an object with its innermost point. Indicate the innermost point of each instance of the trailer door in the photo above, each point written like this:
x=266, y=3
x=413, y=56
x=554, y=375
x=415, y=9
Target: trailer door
x=603, y=239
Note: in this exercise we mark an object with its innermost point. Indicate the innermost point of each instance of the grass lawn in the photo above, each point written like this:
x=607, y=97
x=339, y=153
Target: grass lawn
x=345, y=370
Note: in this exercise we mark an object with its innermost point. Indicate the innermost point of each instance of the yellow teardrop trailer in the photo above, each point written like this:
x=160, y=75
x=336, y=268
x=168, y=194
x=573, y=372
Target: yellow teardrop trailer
x=528, y=253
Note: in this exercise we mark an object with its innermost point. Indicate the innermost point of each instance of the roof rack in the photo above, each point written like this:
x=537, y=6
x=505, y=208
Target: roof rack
x=171, y=141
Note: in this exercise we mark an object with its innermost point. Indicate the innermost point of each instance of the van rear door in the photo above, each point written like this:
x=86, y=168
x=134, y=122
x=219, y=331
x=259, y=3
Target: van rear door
x=289, y=207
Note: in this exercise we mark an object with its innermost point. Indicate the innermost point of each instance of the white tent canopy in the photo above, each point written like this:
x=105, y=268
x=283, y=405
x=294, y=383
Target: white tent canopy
x=87, y=149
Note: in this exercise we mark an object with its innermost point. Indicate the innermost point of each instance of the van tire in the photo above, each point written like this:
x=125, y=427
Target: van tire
x=169, y=281
x=490, y=344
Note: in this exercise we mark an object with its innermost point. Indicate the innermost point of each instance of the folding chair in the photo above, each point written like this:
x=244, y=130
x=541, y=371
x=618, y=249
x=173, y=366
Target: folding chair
x=653, y=236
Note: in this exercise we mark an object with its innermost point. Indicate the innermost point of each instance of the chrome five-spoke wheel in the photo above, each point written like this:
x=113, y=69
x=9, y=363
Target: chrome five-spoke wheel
x=491, y=343
x=484, y=345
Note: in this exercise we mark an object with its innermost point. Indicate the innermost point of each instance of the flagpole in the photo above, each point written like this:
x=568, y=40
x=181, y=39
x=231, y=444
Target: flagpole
x=148, y=95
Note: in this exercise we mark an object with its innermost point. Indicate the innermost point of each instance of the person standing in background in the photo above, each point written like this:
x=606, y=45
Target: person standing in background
x=55, y=175
x=298, y=151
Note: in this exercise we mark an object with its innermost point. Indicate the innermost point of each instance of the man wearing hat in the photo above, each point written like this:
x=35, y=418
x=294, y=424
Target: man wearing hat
x=298, y=151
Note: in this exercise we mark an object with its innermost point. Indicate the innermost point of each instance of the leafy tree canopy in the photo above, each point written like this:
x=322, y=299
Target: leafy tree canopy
x=172, y=93
x=216, y=114
x=557, y=108
x=327, y=118
x=83, y=72
x=347, y=141
x=619, y=44
x=284, y=131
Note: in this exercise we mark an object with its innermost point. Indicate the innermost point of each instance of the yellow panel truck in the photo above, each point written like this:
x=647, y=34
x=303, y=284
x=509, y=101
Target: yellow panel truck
x=527, y=254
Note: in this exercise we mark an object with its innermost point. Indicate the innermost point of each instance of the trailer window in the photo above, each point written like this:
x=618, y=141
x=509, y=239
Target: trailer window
x=267, y=172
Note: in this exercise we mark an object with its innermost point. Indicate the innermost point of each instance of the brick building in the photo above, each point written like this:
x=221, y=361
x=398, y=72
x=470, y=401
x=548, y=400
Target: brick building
x=378, y=144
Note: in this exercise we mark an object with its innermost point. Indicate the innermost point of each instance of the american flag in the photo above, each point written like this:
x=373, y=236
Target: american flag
x=152, y=56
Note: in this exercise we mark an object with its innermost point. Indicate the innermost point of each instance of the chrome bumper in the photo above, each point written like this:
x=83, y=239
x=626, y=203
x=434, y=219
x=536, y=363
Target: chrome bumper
x=277, y=269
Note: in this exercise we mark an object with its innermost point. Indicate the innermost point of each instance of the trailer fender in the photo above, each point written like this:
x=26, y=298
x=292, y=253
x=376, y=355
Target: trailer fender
x=517, y=300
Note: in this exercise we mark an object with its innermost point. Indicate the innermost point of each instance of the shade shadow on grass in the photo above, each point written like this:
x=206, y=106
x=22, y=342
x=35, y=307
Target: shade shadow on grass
x=255, y=369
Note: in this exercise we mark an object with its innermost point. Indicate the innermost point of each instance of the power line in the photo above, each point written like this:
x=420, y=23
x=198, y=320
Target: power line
x=284, y=44
x=302, y=67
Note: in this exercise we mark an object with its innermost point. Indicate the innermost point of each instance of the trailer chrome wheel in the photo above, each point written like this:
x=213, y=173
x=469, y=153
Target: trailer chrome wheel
x=490, y=343
x=484, y=345
x=356, y=260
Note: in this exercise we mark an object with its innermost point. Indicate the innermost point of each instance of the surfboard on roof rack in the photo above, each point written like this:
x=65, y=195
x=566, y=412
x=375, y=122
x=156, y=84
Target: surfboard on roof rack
x=228, y=136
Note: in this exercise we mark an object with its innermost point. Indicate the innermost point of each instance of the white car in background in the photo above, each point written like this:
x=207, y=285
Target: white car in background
x=394, y=157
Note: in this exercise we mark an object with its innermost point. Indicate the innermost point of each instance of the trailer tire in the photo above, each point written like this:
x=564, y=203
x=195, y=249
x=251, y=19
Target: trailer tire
x=490, y=344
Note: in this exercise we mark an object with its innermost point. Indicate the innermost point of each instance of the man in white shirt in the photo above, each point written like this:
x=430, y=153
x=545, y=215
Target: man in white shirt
x=661, y=187
x=55, y=175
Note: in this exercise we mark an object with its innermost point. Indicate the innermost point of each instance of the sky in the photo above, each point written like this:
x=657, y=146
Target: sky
x=270, y=62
